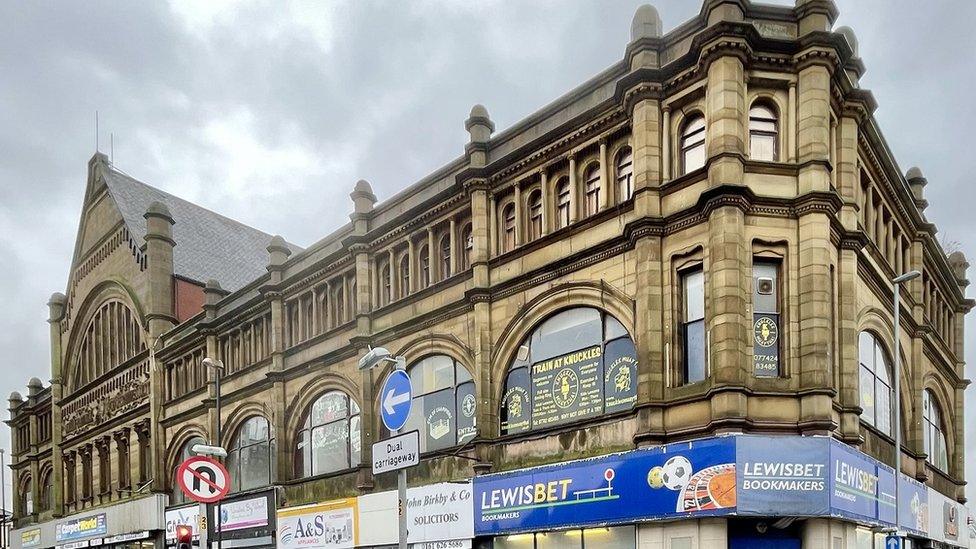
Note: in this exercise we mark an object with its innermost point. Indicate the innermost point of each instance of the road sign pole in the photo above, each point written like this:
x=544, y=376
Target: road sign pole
x=218, y=533
x=402, y=486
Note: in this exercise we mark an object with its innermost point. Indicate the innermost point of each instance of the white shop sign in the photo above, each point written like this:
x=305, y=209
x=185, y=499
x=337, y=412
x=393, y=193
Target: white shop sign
x=329, y=525
x=189, y=516
x=948, y=520
x=247, y=513
x=436, y=513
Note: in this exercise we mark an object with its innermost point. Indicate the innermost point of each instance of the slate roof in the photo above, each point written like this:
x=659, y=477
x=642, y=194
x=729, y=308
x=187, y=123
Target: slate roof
x=208, y=245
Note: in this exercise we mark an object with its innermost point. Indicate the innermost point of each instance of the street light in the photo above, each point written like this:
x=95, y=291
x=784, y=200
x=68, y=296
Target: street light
x=3, y=498
x=373, y=358
x=896, y=294
x=218, y=367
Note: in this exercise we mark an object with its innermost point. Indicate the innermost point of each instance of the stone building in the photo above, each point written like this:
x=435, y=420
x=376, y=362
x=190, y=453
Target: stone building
x=693, y=247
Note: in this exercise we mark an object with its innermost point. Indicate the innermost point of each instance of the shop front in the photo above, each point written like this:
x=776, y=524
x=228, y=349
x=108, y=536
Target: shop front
x=188, y=515
x=134, y=524
x=246, y=520
x=333, y=524
x=782, y=492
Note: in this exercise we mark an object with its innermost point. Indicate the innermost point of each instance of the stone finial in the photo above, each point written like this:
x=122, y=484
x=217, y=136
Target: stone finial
x=646, y=23
x=479, y=124
x=15, y=400
x=34, y=386
x=716, y=11
x=815, y=15
x=278, y=250
x=158, y=209
x=848, y=33
x=55, y=307
x=212, y=292
x=362, y=197
x=917, y=183
x=959, y=265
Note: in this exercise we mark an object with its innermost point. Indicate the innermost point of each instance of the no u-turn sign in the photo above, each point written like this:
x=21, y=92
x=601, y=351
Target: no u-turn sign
x=203, y=479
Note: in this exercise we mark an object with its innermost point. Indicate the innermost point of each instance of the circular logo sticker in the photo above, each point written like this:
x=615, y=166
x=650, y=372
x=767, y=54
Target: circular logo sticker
x=468, y=405
x=565, y=388
x=766, y=332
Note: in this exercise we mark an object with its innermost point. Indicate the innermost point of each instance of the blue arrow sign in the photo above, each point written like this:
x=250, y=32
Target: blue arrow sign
x=395, y=400
x=893, y=541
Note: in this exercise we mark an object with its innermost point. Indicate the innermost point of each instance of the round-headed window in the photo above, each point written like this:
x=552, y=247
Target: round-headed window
x=580, y=363
x=329, y=439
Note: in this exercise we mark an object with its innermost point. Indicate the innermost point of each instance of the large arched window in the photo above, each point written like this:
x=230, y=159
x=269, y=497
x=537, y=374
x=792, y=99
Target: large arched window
x=47, y=485
x=563, y=203
x=693, y=144
x=875, y=379
x=113, y=335
x=763, y=133
x=593, y=190
x=185, y=452
x=329, y=439
x=25, y=496
x=250, y=456
x=934, y=436
x=625, y=174
x=508, y=228
x=444, y=403
x=578, y=364
x=535, y=214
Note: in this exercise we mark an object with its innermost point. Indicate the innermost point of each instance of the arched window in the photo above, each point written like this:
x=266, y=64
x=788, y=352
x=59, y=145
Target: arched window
x=563, y=203
x=875, y=379
x=26, y=496
x=113, y=335
x=763, y=133
x=386, y=284
x=535, y=214
x=339, y=300
x=185, y=452
x=250, y=456
x=934, y=436
x=580, y=363
x=508, y=228
x=444, y=403
x=693, y=144
x=625, y=174
x=445, y=249
x=467, y=240
x=424, y=267
x=47, y=485
x=593, y=189
x=329, y=439
x=405, y=275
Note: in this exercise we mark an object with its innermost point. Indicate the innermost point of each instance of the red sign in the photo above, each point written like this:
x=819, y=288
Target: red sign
x=203, y=479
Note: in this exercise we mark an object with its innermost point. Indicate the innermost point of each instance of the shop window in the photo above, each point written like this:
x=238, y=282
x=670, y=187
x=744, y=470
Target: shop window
x=535, y=214
x=875, y=381
x=766, y=319
x=625, y=174
x=186, y=452
x=693, y=144
x=592, y=182
x=934, y=437
x=444, y=405
x=329, y=440
x=614, y=537
x=578, y=364
x=763, y=133
x=694, y=350
x=249, y=458
x=563, y=203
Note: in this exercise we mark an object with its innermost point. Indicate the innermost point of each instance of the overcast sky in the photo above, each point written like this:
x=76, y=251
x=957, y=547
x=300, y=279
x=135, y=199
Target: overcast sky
x=268, y=112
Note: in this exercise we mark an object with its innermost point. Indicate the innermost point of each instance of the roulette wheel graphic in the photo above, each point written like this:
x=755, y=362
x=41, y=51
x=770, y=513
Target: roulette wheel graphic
x=709, y=489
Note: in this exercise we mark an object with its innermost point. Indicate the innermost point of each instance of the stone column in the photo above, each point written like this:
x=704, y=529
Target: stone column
x=546, y=201
x=605, y=187
x=452, y=238
x=725, y=103
x=814, y=249
x=791, y=123
x=56, y=310
x=412, y=265
x=574, y=201
x=432, y=263
x=519, y=214
x=727, y=278
x=493, y=244
x=666, y=143
x=278, y=253
x=394, y=276
x=159, y=257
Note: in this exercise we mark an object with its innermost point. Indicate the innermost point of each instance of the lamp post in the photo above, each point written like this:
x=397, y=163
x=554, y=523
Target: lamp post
x=218, y=367
x=3, y=497
x=896, y=294
x=371, y=359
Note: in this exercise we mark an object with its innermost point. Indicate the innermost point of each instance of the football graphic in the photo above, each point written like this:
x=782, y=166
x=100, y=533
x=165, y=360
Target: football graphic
x=654, y=478
x=677, y=471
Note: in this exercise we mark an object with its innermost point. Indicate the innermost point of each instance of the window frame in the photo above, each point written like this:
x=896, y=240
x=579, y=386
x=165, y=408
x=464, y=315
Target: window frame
x=467, y=243
x=934, y=431
x=564, y=208
x=534, y=207
x=353, y=412
x=509, y=227
x=625, y=180
x=878, y=350
x=756, y=118
x=685, y=275
x=697, y=136
x=236, y=451
x=444, y=247
x=592, y=186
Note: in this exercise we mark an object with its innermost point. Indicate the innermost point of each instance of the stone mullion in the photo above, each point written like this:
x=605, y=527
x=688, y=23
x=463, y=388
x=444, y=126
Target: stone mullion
x=412, y=265
x=394, y=275
x=452, y=240
x=665, y=143
x=605, y=189
x=574, y=192
x=519, y=214
x=546, y=201
x=432, y=263
x=791, y=124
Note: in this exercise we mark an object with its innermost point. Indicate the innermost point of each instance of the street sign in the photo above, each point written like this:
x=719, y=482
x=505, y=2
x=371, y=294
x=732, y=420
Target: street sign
x=395, y=453
x=203, y=479
x=893, y=541
x=395, y=400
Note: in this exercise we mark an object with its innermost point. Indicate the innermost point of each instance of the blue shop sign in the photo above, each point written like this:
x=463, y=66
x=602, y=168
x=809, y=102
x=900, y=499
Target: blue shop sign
x=80, y=528
x=690, y=478
x=861, y=488
x=913, y=513
x=780, y=475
